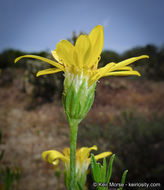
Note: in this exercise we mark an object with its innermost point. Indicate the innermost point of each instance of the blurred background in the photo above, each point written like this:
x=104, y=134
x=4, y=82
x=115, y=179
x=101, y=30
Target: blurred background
x=128, y=110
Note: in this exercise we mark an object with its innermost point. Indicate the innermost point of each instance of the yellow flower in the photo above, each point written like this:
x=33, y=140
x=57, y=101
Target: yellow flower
x=82, y=157
x=82, y=59
x=80, y=65
x=82, y=161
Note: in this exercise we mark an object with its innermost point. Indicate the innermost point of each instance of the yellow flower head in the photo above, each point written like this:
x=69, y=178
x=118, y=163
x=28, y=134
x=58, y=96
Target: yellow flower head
x=82, y=59
x=82, y=157
x=82, y=160
x=80, y=65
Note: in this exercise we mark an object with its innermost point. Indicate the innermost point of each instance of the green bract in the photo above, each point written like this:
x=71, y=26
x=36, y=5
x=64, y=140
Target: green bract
x=77, y=96
x=102, y=174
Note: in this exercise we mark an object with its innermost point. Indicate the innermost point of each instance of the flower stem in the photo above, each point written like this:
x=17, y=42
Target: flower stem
x=73, y=142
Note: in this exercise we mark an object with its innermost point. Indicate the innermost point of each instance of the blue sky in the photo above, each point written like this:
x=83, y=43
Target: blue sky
x=34, y=25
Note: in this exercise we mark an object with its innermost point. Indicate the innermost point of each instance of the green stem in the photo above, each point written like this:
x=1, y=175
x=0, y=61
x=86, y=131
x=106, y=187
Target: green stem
x=73, y=142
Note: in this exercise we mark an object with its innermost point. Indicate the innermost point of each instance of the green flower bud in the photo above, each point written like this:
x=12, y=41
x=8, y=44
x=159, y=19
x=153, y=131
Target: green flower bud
x=77, y=96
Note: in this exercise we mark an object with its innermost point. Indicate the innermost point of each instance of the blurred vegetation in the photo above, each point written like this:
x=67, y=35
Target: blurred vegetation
x=137, y=142
x=9, y=177
x=30, y=84
x=44, y=87
x=8, y=56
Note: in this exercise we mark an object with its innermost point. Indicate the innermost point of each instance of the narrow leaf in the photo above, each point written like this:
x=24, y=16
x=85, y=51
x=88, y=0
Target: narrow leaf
x=103, y=171
x=109, y=172
x=123, y=179
x=79, y=186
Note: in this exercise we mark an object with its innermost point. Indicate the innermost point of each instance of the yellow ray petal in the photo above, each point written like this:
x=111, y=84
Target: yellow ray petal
x=106, y=68
x=53, y=156
x=42, y=59
x=82, y=50
x=48, y=71
x=66, y=152
x=122, y=73
x=129, y=61
x=100, y=72
x=85, y=151
x=126, y=68
x=54, y=54
x=64, y=51
x=97, y=41
x=102, y=155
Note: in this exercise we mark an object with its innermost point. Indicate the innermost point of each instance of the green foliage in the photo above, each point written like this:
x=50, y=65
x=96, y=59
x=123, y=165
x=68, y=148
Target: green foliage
x=80, y=188
x=138, y=143
x=102, y=175
x=123, y=179
x=8, y=176
x=109, y=172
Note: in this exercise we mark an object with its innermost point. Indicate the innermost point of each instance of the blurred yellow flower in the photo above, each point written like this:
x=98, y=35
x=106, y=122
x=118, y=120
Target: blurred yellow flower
x=82, y=160
x=82, y=59
x=82, y=157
